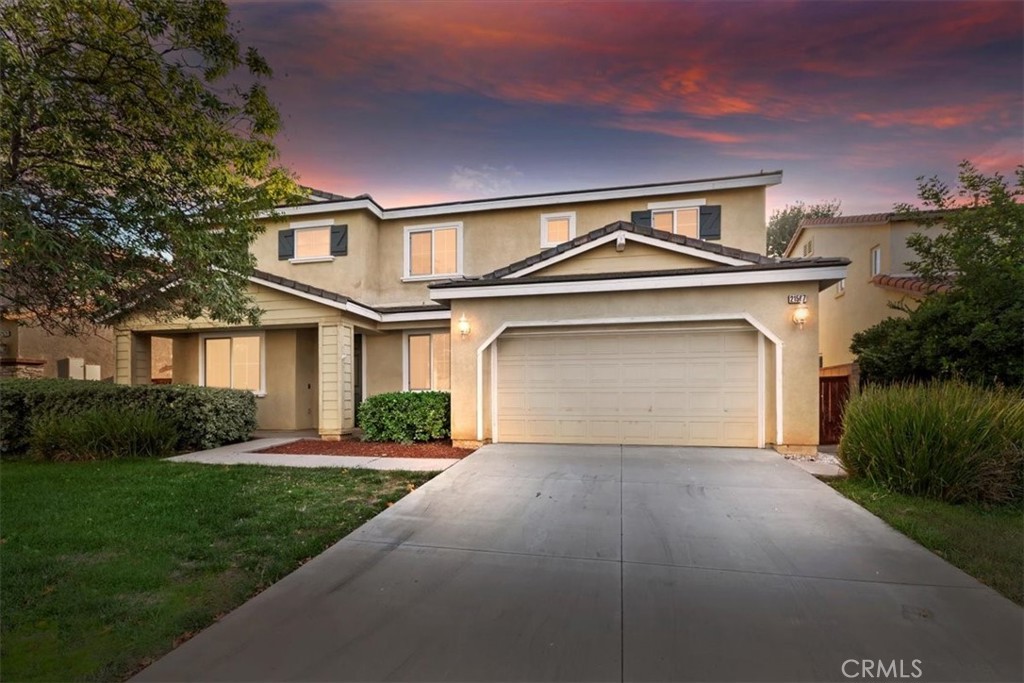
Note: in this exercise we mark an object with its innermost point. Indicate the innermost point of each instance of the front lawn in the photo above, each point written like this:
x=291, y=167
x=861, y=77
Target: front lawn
x=106, y=565
x=984, y=542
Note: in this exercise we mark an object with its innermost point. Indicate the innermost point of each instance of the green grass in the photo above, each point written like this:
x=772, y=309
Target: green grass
x=987, y=543
x=104, y=566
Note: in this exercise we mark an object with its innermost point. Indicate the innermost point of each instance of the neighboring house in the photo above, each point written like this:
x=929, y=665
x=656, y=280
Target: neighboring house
x=645, y=314
x=29, y=351
x=876, y=245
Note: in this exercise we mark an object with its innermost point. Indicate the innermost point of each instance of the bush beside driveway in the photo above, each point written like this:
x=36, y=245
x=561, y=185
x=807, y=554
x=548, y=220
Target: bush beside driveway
x=107, y=565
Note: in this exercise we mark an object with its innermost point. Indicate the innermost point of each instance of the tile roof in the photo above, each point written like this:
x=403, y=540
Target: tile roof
x=339, y=298
x=701, y=245
x=908, y=283
x=769, y=264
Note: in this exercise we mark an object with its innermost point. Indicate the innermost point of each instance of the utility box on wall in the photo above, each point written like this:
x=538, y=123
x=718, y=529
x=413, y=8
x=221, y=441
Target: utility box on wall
x=71, y=368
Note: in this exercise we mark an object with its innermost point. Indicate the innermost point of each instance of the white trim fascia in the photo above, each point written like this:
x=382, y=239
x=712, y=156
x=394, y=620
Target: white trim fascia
x=494, y=394
x=523, y=202
x=316, y=223
x=545, y=217
x=416, y=316
x=588, y=196
x=641, y=283
x=431, y=228
x=324, y=207
x=228, y=334
x=641, y=239
x=679, y=204
x=362, y=356
x=638, y=320
x=779, y=439
x=359, y=309
x=761, y=388
x=311, y=259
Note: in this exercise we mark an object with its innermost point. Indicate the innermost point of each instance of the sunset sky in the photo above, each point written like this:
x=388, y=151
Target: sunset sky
x=418, y=102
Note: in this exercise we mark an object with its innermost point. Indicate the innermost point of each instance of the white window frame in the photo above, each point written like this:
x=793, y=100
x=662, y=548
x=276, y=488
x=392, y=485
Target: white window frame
x=665, y=207
x=299, y=226
x=841, y=288
x=230, y=335
x=545, y=217
x=809, y=247
x=405, y=356
x=431, y=228
x=876, y=260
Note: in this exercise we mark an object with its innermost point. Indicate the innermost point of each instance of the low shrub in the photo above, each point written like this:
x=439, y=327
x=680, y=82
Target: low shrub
x=949, y=441
x=406, y=416
x=103, y=433
x=204, y=417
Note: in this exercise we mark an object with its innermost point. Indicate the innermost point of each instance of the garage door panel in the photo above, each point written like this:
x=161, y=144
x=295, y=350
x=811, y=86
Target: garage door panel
x=665, y=387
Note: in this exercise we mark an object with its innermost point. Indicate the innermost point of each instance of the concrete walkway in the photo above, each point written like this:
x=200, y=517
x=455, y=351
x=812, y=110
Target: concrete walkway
x=604, y=563
x=245, y=454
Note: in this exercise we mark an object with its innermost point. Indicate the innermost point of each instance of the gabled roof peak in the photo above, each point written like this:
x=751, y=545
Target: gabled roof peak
x=594, y=238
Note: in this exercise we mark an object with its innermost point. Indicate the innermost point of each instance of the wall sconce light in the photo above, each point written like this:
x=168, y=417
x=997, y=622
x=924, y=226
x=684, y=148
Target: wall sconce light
x=800, y=316
x=463, y=325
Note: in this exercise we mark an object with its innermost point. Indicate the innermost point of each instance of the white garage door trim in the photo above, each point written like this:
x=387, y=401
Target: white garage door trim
x=589, y=385
x=757, y=324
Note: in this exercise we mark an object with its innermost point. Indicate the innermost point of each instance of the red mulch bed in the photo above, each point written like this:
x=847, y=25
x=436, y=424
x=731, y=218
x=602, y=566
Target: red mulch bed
x=433, y=449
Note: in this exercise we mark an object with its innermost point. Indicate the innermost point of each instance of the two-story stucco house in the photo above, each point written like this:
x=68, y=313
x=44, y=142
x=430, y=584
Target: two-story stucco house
x=876, y=245
x=645, y=314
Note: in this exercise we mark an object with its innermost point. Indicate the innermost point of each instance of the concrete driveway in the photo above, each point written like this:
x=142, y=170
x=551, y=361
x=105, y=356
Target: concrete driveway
x=603, y=563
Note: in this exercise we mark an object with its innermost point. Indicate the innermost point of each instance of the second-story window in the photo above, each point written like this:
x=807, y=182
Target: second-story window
x=433, y=251
x=677, y=221
x=312, y=242
x=809, y=247
x=876, y=261
x=556, y=228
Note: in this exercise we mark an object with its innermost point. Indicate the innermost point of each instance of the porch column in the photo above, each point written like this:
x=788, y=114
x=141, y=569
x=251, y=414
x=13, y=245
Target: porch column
x=337, y=405
x=133, y=359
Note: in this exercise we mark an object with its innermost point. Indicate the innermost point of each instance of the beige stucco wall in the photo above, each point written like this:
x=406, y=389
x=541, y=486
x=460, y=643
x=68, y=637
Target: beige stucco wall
x=355, y=274
x=862, y=304
x=383, y=363
x=633, y=257
x=767, y=303
x=29, y=341
x=373, y=269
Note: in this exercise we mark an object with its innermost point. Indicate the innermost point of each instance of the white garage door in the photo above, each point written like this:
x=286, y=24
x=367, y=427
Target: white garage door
x=673, y=387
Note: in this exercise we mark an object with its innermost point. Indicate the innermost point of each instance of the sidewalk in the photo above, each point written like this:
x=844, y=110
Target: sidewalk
x=245, y=454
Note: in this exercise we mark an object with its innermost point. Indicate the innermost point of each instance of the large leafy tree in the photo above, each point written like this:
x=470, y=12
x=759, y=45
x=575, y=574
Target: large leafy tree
x=136, y=154
x=784, y=222
x=975, y=329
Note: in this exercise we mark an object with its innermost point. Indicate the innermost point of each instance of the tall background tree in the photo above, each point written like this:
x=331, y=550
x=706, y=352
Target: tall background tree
x=136, y=153
x=783, y=222
x=975, y=330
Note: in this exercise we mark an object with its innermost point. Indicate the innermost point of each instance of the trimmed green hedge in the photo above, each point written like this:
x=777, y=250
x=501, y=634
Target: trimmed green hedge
x=950, y=441
x=204, y=418
x=406, y=416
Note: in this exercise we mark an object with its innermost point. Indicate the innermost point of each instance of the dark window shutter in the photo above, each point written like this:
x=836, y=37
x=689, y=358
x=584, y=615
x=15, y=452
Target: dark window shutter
x=285, y=244
x=339, y=240
x=711, y=222
x=641, y=219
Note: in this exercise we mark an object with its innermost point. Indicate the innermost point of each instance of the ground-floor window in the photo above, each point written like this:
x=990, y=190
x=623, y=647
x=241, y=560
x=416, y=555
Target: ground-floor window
x=428, y=356
x=233, y=362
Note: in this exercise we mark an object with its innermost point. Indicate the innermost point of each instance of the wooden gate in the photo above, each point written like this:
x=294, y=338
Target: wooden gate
x=833, y=393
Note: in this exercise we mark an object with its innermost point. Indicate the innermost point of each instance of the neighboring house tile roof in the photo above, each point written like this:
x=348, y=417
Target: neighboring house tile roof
x=863, y=219
x=701, y=245
x=908, y=283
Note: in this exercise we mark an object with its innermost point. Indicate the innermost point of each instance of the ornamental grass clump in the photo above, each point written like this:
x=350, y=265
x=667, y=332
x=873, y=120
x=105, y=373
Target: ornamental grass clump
x=950, y=441
x=103, y=434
